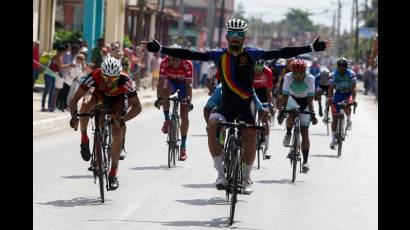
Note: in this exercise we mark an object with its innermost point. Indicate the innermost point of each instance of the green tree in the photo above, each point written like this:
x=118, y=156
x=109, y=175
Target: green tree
x=297, y=22
x=240, y=12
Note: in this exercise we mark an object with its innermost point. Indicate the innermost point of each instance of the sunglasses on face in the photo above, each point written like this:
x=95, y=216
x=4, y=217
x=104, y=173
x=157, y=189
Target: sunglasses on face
x=298, y=73
x=110, y=78
x=239, y=34
x=174, y=59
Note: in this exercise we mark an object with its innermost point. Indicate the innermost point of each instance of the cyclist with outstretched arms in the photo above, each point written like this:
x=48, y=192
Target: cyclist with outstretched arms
x=236, y=67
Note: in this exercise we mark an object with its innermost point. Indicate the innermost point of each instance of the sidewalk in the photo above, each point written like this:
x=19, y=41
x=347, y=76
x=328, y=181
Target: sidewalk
x=45, y=121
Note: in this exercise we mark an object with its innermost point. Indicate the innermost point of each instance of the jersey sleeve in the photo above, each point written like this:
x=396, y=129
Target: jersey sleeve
x=311, y=86
x=216, y=54
x=163, y=67
x=286, y=84
x=188, y=70
x=88, y=82
x=256, y=53
x=269, y=77
x=353, y=76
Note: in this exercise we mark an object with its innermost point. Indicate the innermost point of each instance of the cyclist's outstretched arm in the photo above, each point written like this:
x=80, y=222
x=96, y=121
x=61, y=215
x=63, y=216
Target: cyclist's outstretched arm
x=288, y=52
x=154, y=46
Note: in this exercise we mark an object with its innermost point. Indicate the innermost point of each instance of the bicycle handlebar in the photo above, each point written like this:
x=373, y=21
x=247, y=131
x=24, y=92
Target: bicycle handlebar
x=240, y=125
x=300, y=112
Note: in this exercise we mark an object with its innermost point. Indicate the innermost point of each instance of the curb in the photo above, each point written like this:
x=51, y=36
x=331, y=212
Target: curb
x=62, y=121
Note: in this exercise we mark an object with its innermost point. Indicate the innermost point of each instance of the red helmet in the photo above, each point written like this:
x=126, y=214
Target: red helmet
x=298, y=65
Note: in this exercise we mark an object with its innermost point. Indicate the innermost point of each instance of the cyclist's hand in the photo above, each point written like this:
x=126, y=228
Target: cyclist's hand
x=355, y=103
x=281, y=115
x=158, y=103
x=152, y=46
x=74, y=120
x=321, y=45
x=313, y=119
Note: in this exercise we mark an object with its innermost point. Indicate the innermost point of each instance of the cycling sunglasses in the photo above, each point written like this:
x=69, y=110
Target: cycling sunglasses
x=239, y=34
x=110, y=78
x=298, y=73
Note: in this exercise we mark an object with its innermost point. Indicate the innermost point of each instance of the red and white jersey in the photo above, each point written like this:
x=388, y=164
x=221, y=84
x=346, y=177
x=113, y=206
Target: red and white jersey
x=263, y=80
x=181, y=73
x=124, y=85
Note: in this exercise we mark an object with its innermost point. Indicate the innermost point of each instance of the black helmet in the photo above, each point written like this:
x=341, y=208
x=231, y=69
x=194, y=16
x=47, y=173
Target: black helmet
x=343, y=62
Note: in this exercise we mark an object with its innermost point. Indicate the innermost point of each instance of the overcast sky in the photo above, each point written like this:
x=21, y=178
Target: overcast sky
x=275, y=10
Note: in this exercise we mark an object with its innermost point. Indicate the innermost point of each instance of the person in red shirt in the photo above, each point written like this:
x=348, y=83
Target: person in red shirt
x=176, y=74
x=263, y=83
x=36, y=60
x=112, y=88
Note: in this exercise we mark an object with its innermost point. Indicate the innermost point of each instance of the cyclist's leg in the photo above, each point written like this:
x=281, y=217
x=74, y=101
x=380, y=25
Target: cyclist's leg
x=221, y=113
x=304, y=130
x=86, y=108
x=184, y=109
x=166, y=89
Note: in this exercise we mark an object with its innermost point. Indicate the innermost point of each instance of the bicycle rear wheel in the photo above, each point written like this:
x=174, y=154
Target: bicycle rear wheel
x=340, y=136
x=259, y=148
x=236, y=164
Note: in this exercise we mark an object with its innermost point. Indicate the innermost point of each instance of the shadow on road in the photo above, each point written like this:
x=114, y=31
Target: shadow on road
x=322, y=155
x=77, y=176
x=162, y=167
x=199, y=185
x=79, y=201
x=281, y=181
x=221, y=222
x=203, y=202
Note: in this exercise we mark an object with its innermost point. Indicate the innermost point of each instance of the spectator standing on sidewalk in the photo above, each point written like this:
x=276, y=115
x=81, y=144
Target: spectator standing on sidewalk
x=50, y=77
x=65, y=73
x=155, y=63
x=78, y=71
x=96, y=55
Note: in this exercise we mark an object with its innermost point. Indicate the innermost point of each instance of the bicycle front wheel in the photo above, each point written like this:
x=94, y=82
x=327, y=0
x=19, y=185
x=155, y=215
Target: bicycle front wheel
x=99, y=169
x=236, y=164
x=294, y=155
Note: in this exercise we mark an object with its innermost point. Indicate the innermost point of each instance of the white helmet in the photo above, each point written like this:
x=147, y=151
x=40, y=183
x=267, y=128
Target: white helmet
x=111, y=67
x=236, y=25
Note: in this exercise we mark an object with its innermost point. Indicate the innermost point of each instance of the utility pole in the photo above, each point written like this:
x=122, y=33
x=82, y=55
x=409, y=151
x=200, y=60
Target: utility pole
x=210, y=22
x=141, y=5
x=221, y=20
x=338, y=29
x=351, y=30
x=357, y=32
x=181, y=20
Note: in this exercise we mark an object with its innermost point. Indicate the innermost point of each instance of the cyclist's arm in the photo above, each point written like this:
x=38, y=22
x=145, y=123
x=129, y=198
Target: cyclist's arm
x=270, y=97
x=188, y=86
x=310, y=104
x=136, y=108
x=186, y=54
x=161, y=82
x=354, y=91
x=74, y=100
x=285, y=52
x=285, y=90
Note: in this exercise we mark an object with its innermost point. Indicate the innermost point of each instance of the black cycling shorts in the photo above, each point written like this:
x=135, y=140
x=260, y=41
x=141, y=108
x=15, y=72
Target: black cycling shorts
x=262, y=94
x=324, y=89
x=237, y=109
x=113, y=104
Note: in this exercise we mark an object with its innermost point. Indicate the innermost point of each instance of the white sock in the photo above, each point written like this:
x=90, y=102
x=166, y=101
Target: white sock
x=247, y=171
x=267, y=142
x=219, y=165
x=333, y=136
